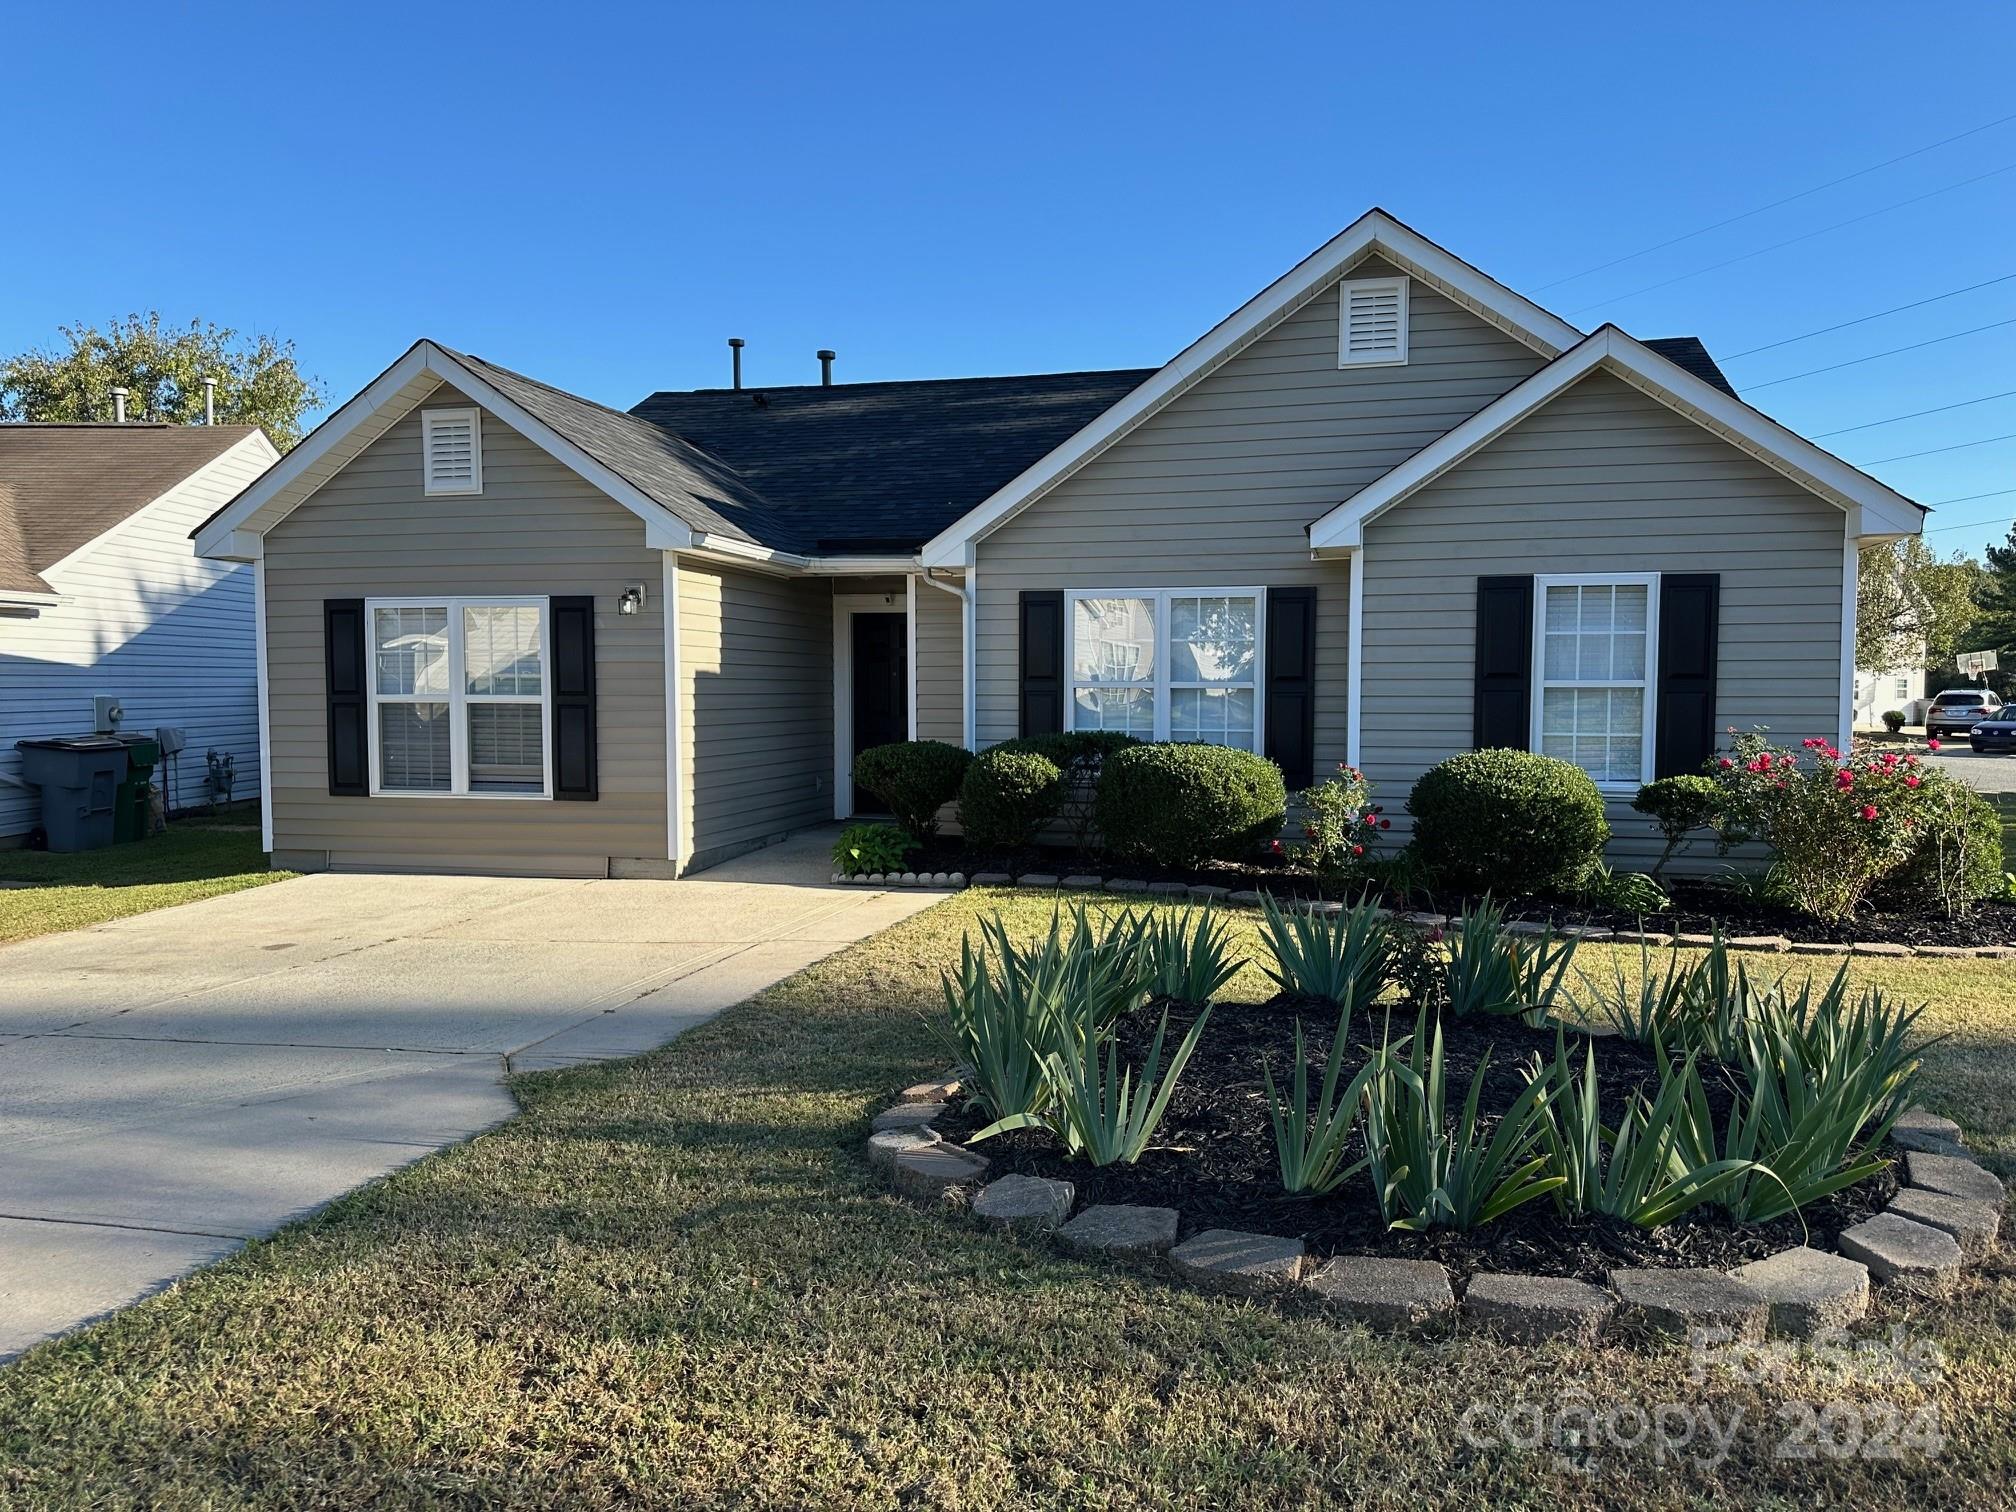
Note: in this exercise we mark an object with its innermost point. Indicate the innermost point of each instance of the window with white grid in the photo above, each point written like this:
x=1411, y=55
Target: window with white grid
x=459, y=696
x=1595, y=644
x=1167, y=664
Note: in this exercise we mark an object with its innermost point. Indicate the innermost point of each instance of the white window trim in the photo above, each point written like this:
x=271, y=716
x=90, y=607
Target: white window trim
x=1385, y=359
x=1650, y=682
x=457, y=697
x=428, y=420
x=1162, y=683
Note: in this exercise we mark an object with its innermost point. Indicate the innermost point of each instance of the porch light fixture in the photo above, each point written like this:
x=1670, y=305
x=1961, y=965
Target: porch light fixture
x=632, y=599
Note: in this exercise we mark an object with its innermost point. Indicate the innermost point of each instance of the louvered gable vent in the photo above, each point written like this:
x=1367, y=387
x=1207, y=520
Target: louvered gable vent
x=1372, y=319
x=452, y=443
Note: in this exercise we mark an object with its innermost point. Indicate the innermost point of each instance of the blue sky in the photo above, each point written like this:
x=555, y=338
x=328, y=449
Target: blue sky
x=599, y=195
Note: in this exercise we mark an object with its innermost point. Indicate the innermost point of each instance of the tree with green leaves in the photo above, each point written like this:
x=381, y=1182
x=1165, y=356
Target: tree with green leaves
x=1911, y=609
x=162, y=368
x=1995, y=629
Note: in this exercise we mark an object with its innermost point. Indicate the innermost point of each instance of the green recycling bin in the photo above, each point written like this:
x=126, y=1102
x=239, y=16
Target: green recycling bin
x=133, y=809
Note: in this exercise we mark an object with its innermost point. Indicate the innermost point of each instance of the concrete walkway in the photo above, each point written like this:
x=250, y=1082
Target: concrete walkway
x=175, y=1083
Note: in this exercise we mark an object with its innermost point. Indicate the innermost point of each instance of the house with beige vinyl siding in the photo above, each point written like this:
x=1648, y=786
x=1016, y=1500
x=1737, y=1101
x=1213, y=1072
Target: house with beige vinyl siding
x=1386, y=510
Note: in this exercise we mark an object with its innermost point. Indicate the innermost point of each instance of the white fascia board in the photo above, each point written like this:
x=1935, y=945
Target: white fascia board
x=1880, y=508
x=1374, y=231
x=22, y=598
x=284, y=482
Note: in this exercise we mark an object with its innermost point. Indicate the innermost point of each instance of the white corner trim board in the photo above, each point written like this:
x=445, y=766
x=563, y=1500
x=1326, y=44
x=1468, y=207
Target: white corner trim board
x=1876, y=511
x=265, y=702
x=1373, y=232
x=675, y=765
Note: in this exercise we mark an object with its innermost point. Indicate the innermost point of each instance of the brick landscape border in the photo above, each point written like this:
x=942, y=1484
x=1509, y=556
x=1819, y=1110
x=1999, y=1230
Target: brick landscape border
x=1947, y=1215
x=1087, y=882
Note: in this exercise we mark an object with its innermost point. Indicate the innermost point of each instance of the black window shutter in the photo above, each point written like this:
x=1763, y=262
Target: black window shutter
x=343, y=663
x=574, y=698
x=1690, y=609
x=1042, y=637
x=1503, y=710
x=1291, y=684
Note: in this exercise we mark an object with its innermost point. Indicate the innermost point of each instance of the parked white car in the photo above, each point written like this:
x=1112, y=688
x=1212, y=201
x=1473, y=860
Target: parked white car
x=1958, y=710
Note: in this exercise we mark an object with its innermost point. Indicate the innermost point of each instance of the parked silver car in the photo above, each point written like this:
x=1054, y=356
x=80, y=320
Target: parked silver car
x=1958, y=710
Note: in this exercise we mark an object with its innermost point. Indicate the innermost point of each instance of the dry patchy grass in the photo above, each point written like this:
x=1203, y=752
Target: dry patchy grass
x=192, y=860
x=671, y=1282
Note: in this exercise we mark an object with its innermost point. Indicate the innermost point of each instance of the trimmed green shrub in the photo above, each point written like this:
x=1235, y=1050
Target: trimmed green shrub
x=1893, y=720
x=916, y=778
x=1009, y=792
x=1179, y=804
x=1680, y=806
x=1958, y=858
x=1511, y=821
x=1079, y=754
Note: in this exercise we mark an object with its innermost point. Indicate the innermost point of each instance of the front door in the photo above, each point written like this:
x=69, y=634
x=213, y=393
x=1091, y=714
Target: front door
x=881, y=690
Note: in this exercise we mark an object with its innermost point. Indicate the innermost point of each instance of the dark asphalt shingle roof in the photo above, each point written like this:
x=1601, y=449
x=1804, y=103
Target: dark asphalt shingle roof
x=699, y=488
x=63, y=484
x=1687, y=352
x=885, y=466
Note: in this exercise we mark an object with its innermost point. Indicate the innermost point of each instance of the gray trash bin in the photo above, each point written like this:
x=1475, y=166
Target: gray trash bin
x=79, y=776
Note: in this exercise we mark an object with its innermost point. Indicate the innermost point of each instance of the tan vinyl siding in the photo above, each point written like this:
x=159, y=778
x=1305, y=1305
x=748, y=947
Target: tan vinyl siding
x=1218, y=489
x=756, y=706
x=536, y=528
x=1602, y=479
x=941, y=708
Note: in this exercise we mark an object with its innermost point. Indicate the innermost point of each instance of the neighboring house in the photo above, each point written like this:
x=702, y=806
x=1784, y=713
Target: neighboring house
x=101, y=592
x=1385, y=511
x=1899, y=688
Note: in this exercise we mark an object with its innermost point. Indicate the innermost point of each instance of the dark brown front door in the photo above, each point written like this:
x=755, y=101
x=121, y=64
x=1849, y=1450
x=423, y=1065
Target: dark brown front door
x=881, y=690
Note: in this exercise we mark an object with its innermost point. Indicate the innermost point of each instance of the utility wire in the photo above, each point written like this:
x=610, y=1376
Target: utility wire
x=1788, y=199
x=1914, y=415
x=1751, y=388
x=1935, y=450
x=1865, y=319
x=1791, y=240
x=1993, y=524
x=1970, y=498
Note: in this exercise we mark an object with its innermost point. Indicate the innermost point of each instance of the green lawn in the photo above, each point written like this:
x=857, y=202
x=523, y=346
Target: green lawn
x=672, y=1282
x=196, y=858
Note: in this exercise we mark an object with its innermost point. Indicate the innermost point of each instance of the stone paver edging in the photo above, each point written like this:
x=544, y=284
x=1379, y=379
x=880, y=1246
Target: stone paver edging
x=1248, y=898
x=1948, y=1215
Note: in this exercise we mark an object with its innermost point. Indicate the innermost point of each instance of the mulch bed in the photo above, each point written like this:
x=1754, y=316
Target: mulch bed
x=1700, y=905
x=1215, y=1160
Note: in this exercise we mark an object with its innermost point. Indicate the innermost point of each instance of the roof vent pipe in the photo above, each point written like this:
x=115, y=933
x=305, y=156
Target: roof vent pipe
x=735, y=345
x=209, y=401
x=826, y=367
x=118, y=406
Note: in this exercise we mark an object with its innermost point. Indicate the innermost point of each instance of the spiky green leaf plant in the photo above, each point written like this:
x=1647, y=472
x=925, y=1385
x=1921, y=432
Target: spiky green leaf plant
x=1187, y=955
x=1310, y=1138
x=1325, y=955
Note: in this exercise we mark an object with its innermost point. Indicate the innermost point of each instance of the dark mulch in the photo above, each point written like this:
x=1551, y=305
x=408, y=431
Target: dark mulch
x=1215, y=1161
x=1700, y=905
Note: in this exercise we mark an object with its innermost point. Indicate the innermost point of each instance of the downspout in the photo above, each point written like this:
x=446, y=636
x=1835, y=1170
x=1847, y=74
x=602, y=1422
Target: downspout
x=963, y=593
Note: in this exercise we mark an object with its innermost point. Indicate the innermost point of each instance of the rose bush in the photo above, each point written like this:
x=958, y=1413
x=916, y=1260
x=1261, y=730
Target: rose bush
x=1839, y=824
x=1340, y=822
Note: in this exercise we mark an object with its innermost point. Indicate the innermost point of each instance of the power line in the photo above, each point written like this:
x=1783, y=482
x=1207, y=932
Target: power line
x=1792, y=240
x=1935, y=450
x=1914, y=415
x=1865, y=319
x=1970, y=498
x=1853, y=361
x=1788, y=199
x=1993, y=524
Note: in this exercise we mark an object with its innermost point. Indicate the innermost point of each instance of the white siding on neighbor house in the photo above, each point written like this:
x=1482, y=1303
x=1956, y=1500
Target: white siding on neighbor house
x=756, y=706
x=1219, y=488
x=149, y=622
x=537, y=528
x=1602, y=479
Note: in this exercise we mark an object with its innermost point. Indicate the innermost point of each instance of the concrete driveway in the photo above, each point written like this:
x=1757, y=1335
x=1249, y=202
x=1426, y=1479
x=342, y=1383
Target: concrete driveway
x=175, y=1083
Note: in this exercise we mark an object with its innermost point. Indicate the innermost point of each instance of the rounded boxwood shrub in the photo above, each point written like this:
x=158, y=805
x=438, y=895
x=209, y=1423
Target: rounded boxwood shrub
x=1180, y=804
x=1009, y=792
x=1508, y=821
x=915, y=778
